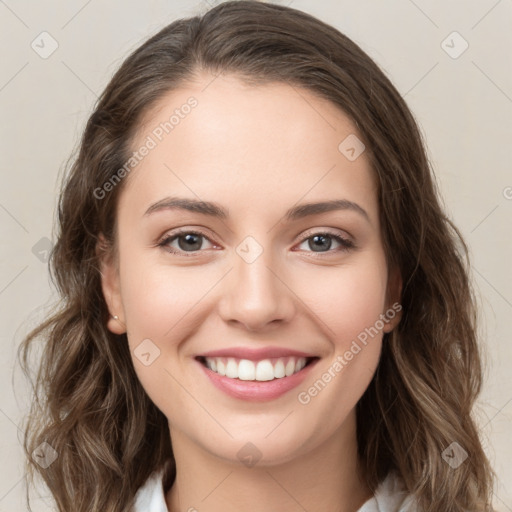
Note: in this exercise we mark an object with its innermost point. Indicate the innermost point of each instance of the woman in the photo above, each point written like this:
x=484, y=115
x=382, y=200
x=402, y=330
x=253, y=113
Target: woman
x=264, y=305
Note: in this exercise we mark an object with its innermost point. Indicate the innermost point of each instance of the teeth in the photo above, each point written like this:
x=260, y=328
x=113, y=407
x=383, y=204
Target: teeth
x=246, y=370
x=279, y=372
x=221, y=367
x=290, y=367
x=264, y=370
x=232, y=369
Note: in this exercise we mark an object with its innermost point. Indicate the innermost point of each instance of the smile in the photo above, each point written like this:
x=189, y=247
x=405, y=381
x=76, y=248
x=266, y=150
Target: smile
x=260, y=371
x=258, y=374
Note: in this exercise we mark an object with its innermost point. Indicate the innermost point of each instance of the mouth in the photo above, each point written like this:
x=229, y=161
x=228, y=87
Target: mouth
x=255, y=374
x=262, y=370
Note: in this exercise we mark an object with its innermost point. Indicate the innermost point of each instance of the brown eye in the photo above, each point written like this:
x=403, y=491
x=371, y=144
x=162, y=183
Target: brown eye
x=187, y=242
x=323, y=241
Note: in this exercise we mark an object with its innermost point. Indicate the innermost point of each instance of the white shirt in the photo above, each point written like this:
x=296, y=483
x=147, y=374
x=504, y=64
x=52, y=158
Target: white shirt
x=389, y=496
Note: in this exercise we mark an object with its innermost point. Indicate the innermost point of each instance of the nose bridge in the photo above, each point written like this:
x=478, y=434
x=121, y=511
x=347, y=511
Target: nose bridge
x=255, y=294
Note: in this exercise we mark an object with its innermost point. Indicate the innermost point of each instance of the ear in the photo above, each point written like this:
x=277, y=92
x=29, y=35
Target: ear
x=110, y=285
x=394, y=308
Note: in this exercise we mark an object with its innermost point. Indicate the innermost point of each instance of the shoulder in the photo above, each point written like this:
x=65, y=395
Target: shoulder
x=151, y=496
x=390, y=496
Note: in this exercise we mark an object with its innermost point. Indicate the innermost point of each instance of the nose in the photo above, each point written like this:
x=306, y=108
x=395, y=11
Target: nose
x=256, y=296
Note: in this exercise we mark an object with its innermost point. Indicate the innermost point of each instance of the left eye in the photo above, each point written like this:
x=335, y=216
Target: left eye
x=191, y=242
x=323, y=241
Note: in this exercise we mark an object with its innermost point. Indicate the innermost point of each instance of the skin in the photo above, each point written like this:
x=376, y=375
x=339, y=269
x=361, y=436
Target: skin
x=257, y=151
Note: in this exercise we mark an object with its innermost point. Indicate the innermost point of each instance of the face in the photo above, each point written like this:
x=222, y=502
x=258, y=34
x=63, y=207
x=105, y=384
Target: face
x=255, y=285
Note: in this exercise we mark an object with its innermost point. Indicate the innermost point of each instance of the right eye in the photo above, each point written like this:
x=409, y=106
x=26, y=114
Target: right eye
x=189, y=241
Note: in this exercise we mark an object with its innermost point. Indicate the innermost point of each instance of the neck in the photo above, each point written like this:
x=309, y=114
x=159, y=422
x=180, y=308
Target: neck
x=325, y=478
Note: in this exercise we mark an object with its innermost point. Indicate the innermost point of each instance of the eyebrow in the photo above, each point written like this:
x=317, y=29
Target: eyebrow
x=216, y=210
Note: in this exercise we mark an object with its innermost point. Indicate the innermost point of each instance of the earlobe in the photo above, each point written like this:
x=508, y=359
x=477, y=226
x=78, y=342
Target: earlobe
x=115, y=325
x=110, y=286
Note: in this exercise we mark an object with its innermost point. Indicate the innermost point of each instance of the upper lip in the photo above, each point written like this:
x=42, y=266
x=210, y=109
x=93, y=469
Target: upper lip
x=255, y=354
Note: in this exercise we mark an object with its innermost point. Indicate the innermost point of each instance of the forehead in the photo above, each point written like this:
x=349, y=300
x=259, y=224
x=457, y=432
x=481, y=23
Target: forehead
x=219, y=138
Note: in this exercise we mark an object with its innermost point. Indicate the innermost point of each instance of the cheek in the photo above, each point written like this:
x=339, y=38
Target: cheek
x=349, y=309
x=160, y=304
x=157, y=298
x=345, y=300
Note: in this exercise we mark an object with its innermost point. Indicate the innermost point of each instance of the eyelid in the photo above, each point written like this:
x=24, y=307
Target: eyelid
x=345, y=235
x=173, y=233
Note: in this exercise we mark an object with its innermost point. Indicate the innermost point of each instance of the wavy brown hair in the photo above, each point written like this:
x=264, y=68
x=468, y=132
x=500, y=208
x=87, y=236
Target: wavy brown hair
x=88, y=402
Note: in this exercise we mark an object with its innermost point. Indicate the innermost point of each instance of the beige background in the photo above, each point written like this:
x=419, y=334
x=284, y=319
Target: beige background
x=463, y=105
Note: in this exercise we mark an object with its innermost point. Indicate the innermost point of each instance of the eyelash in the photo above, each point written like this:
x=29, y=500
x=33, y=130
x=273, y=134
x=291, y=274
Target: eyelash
x=345, y=243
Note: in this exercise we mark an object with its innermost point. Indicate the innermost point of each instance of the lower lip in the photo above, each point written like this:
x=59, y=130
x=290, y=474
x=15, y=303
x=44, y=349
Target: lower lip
x=257, y=391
